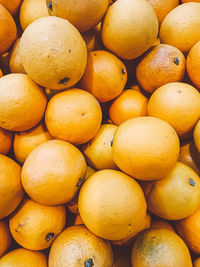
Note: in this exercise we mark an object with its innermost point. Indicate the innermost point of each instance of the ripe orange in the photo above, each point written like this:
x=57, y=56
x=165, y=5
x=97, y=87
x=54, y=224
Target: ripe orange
x=11, y=5
x=78, y=220
x=92, y=39
x=196, y=263
x=196, y=135
x=161, y=224
x=5, y=141
x=15, y=63
x=5, y=238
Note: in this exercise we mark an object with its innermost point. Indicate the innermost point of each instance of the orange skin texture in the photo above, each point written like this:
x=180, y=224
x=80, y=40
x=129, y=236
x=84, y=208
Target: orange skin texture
x=193, y=64
x=11, y=5
x=19, y=96
x=145, y=148
x=22, y=257
x=15, y=62
x=161, y=65
x=196, y=263
x=66, y=119
x=122, y=256
x=178, y=104
x=84, y=15
x=32, y=222
x=161, y=224
x=176, y=196
x=181, y=27
x=5, y=238
x=25, y=142
x=98, y=152
x=162, y=8
x=8, y=29
x=129, y=104
x=5, y=141
x=11, y=192
x=160, y=247
x=125, y=32
x=111, y=205
x=105, y=75
x=53, y=172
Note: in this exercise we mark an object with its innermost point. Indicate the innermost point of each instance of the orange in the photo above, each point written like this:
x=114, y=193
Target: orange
x=15, y=62
x=78, y=220
x=19, y=97
x=5, y=141
x=92, y=39
x=176, y=196
x=161, y=224
x=11, y=5
x=160, y=247
x=22, y=257
x=11, y=192
x=186, y=1
x=129, y=104
x=77, y=246
x=25, y=142
x=196, y=135
x=74, y=116
x=122, y=256
x=181, y=27
x=5, y=238
x=162, y=8
x=193, y=64
x=146, y=148
x=35, y=226
x=111, y=205
x=31, y=10
x=196, y=263
x=178, y=104
x=8, y=29
x=125, y=32
x=53, y=64
x=98, y=152
x=53, y=172
x=105, y=75
x=160, y=65
x=189, y=230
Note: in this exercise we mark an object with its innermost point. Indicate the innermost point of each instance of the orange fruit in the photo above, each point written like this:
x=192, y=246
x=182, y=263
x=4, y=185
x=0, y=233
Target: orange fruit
x=77, y=246
x=160, y=65
x=11, y=5
x=176, y=196
x=11, y=192
x=160, y=247
x=178, y=104
x=15, y=62
x=92, y=39
x=53, y=172
x=8, y=29
x=193, y=64
x=111, y=205
x=146, y=148
x=53, y=64
x=78, y=220
x=129, y=104
x=23, y=257
x=186, y=1
x=19, y=96
x=122, y=256
x=35, y=226
x=163, y=8
x=5, y=141
x=5, y=238
x=31, y=10
x=105, y=75
x=196, y=135
x=181, y=27
x=196, y=263
x=125, y=32
x=25, y=142
x=161, y=224
x=64, y=115
x=98, y=152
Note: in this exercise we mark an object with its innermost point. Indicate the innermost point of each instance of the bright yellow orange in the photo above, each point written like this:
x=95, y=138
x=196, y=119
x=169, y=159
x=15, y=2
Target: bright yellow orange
x=5, y=238
x=5, y=141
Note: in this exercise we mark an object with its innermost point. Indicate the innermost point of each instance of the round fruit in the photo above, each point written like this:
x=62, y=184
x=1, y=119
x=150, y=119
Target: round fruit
x=161, y=65
x=22, y=257
x=196, y=263
x=84, y=15
x=35, y=226
x=181, y=27
x=74, y=116
x=78, y=220
x=25, y=142
x=146, y=148
x=5, y=238
x=161, y=224
x=105, y=75
x=15, y=62
x=31, y=10
x=92, y=39
x=176, y=196
x=11, y=5
x=53, y=172
x=11, y=192
x=5, y=141
x=111, y=205
x=186, y=1
x=129, y=104
x=8, y=29
x=125, y=32
x=53, y=64
x=196, y=135
x=160, y=247
x=19, y=97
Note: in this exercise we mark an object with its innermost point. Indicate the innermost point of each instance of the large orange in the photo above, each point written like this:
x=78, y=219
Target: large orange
x=5, y=141
x=11, y=5
x=5, y=238
x=145, y=148
x=15, y=62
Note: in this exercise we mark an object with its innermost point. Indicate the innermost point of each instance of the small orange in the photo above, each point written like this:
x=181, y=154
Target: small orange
x=105, y=75
x=161, y=224
x=15, y=62
x=5, y=141
x=5, y=238
x=11, y=5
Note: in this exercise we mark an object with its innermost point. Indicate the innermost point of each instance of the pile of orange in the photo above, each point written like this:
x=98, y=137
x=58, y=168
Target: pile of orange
x=99, y=133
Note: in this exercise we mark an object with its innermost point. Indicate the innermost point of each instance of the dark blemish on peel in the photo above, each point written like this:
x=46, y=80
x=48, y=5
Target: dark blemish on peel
x=179, y=91
x=49, y=236
x=153, y=237
x=191, y=182
x=3, y=122
x=16, y=231
x=83, y=114
x=64, y=81
x=129, y=224
x=111, y=143
x=70, y=50
x=176, y=60
x=95, y=54
x=123, y=71
x=89, y=263
x=50, y=6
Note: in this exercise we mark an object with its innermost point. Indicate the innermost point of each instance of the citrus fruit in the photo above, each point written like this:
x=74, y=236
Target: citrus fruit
x=15, y=62
x=11, y=5
x=5, y=238
x=5, y=141
x=161, y=224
